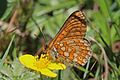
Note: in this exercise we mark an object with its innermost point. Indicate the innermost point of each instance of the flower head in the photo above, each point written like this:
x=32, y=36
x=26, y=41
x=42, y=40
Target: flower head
x=42, y=64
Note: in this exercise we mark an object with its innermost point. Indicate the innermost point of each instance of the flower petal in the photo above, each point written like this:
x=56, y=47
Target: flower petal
x=56, y=66
x=47, y=72
x=28, y=61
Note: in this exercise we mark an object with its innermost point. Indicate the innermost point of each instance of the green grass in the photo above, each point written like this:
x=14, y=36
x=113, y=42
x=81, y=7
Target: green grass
x=103, y=17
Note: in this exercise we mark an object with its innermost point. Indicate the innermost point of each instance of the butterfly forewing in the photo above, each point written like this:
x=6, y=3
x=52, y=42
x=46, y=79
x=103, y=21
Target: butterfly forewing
x=69, y=43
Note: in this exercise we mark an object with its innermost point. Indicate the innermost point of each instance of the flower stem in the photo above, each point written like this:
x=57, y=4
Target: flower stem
x=59, y=75
x=41, y=77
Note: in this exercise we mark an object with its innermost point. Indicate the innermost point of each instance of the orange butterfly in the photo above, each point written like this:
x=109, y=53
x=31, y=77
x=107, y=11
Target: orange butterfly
x=70, y=44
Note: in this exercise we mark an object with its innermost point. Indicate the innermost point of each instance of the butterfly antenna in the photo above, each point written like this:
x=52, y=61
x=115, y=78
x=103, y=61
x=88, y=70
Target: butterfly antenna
x=39, y=30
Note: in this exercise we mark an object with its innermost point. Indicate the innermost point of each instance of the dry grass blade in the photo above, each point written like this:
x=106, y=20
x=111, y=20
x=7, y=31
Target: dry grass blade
x=105, y=57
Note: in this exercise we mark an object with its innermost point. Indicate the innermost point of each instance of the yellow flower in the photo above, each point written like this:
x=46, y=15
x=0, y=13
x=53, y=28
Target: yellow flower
x=42, y=64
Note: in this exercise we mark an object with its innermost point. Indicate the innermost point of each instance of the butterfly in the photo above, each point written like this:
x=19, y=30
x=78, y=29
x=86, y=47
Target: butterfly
x=70, y=44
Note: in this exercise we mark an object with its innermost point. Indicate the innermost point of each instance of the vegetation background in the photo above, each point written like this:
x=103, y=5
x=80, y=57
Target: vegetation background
x=21, y=24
